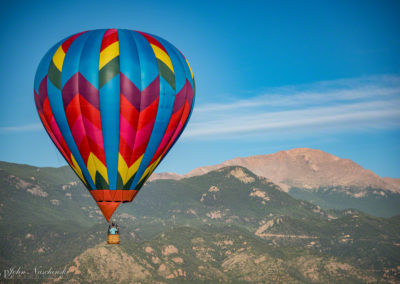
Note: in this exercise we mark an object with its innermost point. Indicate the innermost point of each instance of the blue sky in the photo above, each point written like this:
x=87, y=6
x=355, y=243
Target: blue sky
x=271, y=75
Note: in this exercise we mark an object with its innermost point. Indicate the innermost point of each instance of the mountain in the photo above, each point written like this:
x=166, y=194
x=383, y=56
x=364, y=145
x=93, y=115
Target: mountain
x=321, y=178
x=394, y=182
x=164, y=175
x=309, y=169
x=228, y=225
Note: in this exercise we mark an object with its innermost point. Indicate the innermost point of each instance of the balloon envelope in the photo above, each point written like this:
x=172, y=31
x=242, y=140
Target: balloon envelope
x=114, y=102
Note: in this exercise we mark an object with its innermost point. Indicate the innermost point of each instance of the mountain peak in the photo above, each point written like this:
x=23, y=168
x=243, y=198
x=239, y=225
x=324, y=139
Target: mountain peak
x=307, y=168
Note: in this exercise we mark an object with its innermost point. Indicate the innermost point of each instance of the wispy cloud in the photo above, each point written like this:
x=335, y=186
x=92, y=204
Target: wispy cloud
x=21, y=128
x=340, y=105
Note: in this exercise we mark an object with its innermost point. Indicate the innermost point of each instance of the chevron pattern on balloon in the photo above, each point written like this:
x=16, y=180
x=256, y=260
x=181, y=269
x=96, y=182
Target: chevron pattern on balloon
x=179, y=118
x=137, y=118
x=81, y=104
x=165, y=66
x=110, y=119
x=49, y=123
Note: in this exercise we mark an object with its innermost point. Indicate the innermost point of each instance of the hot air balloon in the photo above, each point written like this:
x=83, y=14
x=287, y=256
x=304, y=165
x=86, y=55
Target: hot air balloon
x=114, y=102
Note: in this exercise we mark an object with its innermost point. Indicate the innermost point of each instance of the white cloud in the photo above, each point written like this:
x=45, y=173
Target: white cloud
x=340, y=105
x=21, y=128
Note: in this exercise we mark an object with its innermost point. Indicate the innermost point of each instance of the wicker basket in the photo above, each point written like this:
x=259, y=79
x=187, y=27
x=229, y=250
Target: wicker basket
x=113, y=239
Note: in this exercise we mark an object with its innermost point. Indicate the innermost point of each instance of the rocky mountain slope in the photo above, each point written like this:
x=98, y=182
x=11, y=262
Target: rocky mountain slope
x=228, y=225
x=307, y=168
x=321, y=178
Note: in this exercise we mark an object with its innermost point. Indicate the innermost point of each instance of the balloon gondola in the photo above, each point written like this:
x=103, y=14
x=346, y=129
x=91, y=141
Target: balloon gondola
x=113, y=239
x=114, y=102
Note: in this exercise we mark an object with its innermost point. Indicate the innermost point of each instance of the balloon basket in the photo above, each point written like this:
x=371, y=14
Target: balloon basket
x=113, y=239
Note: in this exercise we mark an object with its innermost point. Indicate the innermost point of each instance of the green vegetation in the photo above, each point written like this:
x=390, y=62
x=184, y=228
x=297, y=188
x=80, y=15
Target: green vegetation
x=228, y=225
x=374, y=201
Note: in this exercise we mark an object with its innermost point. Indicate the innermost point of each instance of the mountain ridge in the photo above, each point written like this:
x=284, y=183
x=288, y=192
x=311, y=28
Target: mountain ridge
x=302, y=168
